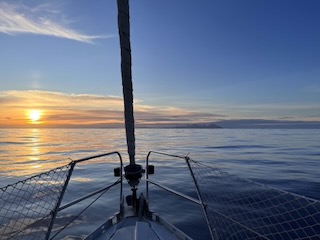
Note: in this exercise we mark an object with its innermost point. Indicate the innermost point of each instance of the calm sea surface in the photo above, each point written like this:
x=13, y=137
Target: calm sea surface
x=285, y=159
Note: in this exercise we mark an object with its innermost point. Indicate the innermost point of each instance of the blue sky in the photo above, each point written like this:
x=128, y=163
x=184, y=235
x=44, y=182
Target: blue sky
x=204, y=61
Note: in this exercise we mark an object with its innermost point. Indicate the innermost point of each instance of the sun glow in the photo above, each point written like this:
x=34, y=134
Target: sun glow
x=34, y=116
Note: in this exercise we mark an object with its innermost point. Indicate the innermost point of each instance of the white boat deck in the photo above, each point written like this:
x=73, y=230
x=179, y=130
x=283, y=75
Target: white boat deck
x=131, y=228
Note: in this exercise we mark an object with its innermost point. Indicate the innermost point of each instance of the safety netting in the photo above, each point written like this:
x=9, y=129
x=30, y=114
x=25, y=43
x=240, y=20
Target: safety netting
x=27, y=207
x=241, y=209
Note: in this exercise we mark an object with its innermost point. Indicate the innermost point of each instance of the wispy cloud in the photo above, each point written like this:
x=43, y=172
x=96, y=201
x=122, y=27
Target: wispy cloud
x=62, y=109
x=21, y=19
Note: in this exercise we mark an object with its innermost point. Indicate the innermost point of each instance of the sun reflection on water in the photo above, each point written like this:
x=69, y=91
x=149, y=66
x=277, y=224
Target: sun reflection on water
x=28, y=160
x=30, y=151
x=35, y=150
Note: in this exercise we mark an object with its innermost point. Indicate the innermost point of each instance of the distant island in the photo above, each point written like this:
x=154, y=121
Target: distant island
x=199, y=125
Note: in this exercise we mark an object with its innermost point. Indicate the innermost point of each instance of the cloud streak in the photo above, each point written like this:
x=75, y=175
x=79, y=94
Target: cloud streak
x=20, y=19
x=62, y=109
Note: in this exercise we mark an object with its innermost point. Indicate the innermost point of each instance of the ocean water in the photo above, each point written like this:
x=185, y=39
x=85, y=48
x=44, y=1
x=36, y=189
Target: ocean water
x=287, y=159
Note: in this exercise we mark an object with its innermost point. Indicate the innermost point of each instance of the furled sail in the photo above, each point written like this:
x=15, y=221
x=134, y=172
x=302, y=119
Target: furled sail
x=126, y=73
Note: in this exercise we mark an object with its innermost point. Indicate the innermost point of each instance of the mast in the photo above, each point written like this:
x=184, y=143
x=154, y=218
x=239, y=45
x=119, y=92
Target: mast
x=126, y=73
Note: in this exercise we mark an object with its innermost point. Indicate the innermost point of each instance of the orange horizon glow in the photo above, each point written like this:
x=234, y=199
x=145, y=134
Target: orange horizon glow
x=42, y=109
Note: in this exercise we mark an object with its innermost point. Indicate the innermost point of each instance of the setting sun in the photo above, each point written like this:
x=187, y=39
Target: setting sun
x=34, y=116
